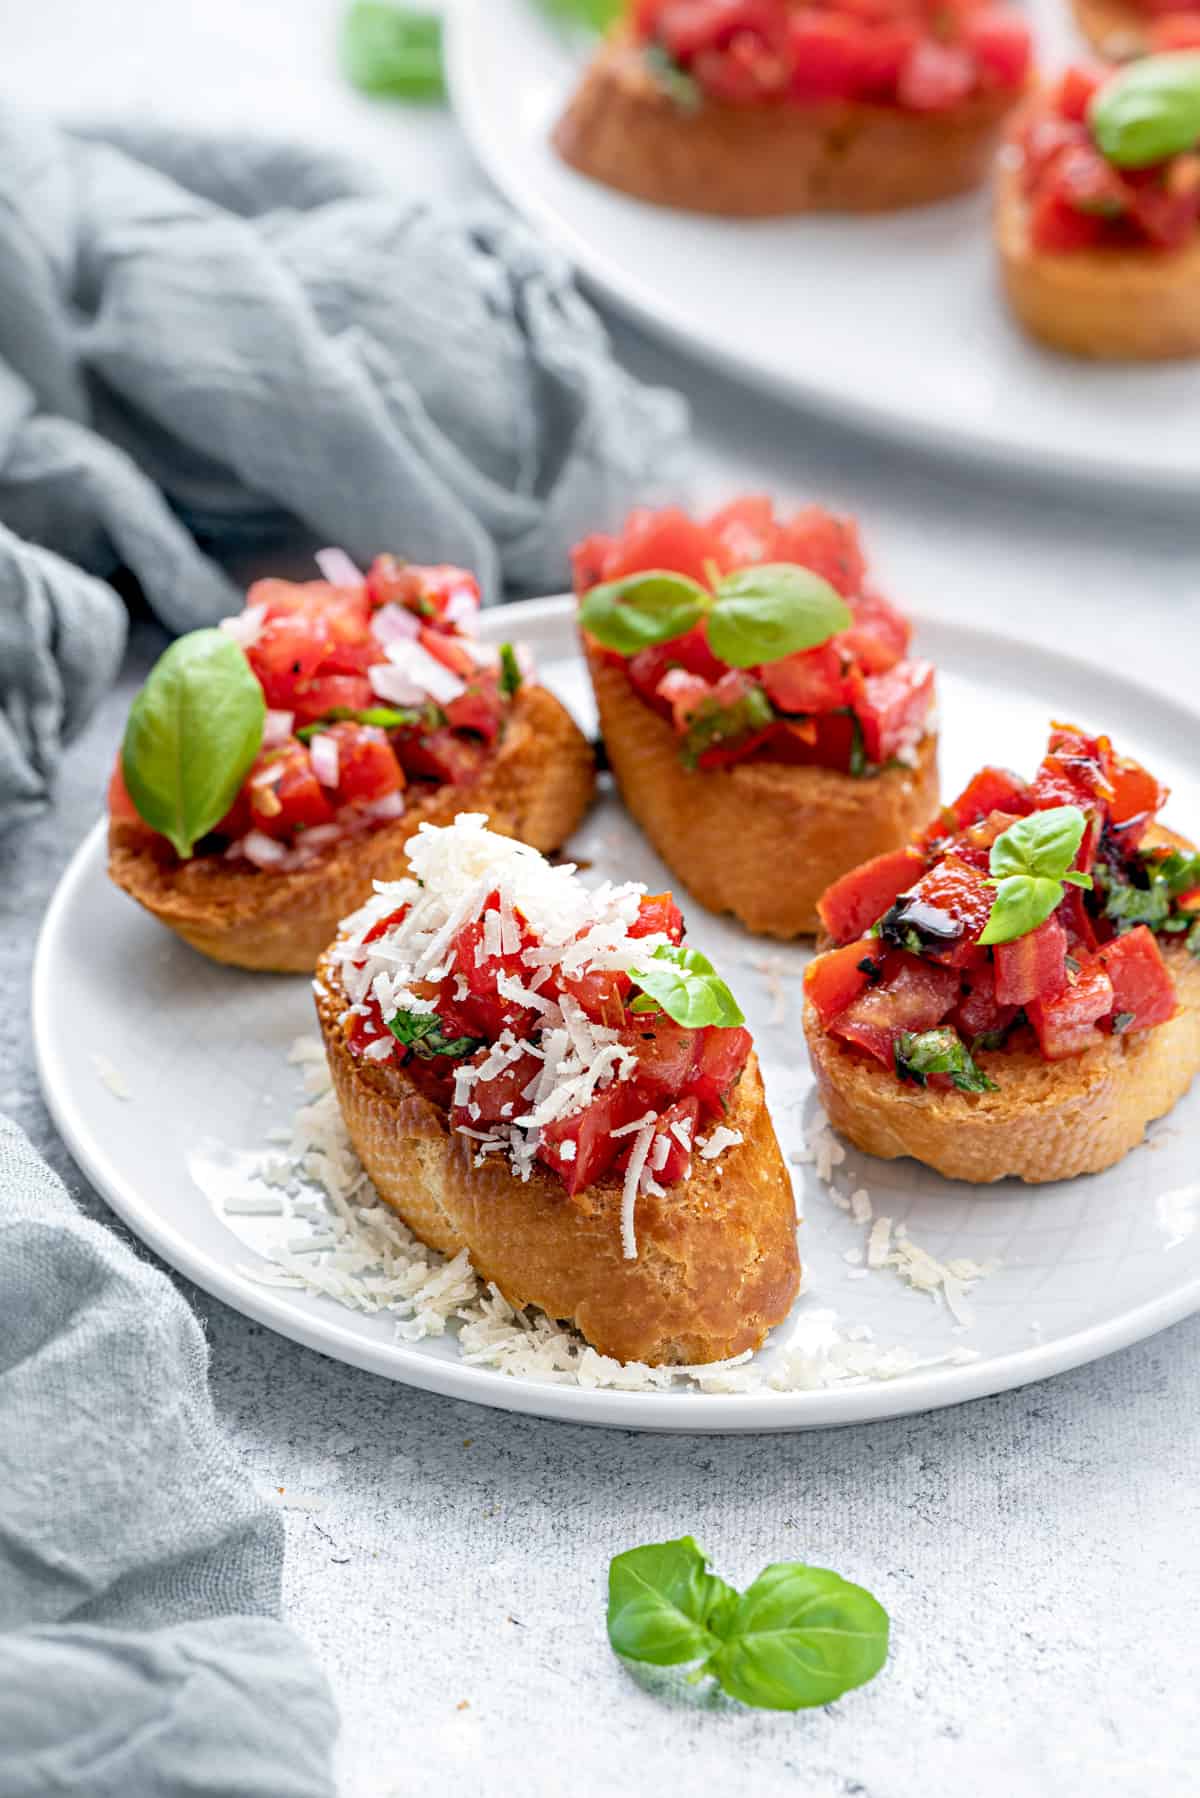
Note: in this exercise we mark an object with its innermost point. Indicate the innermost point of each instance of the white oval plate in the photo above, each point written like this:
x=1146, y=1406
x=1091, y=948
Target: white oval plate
x=894, y=323
x=1086, y=1267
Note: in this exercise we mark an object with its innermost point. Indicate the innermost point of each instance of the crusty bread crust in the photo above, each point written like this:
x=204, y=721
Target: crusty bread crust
x=760, y=840
x=1117, y=29
x=1048, y=1120
x=622, y=129
x=535, y=786
x=716, y=1266
x=1110, y=305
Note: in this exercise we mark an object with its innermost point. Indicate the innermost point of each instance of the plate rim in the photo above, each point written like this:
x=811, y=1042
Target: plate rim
x=657, y=314
x=692, y=1412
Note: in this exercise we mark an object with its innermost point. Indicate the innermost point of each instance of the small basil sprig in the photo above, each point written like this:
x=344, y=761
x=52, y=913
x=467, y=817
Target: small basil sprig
x=510, y=670
x=1149, y=111
x=685, y=985
x=754, y=615
x=1167, y=878
x=393, y=50
x=192, y=736
x=939, y=1051
x=422, y=1032
x=1029, y=863
x=799, y=1636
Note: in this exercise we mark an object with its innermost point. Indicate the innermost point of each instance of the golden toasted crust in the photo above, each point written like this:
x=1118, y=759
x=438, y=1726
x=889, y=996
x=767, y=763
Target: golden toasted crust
x=1111, y=305
x=1047, y=1120
x=760, y=840
x=535, y=786
x=1116, y=28
x=716, y=1266
x=623, y=129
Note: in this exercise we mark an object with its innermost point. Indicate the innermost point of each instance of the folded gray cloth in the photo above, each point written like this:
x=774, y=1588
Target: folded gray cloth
x=220, y=342
x=141, y=1654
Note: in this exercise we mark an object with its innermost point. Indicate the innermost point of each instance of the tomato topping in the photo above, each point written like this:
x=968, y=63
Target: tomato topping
x=991, y=790
x=879, y=636
x=580, y=1148
x=826, y=544
x=120, y=805
x=720, y=1058
x=1076, y=90
x=658, y=912
x=1136, y=796
x=1143, y=991
x=1034, y=966
x=859, y=899
x=744, y=532
x=936, y=77
x=440, y=755
x=427, y=591
x=913, y=995
x=1066, y=1024
x=810, y=681
x=601, y=993
x=367, y=765
x=979, y=1012
x=689, y=653
x=894, y=708
x=946, y=913
x=500, y=1099
x=684, y=1114
x=666, y=1052
x=834, y=980
x=999, y=42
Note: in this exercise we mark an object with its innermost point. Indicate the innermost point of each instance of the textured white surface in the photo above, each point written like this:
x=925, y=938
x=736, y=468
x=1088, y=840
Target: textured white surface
x=1038, y=1552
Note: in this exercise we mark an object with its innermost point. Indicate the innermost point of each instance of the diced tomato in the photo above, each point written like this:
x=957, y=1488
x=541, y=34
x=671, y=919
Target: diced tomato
x=991, y=790
x=292, y=799
x=879, y=636
x=1066, y=1025
x=810, y=681
x=1178, y=31
x=913, y=995
x=834, y=980
x=685, y=694
x=689, y=652
x=288, y=651
x=829, y=52
x=1141, y=982
x=586, y=1137
x=737, y=50
x=589, y=559
x=666, y=539
x=447, y=650
x=120, y=805
x=313, y=699
x=850, y=906
x=480, y=709
x=948, y=909
x=935, y=77
x=685, y=1114
x=499, y=1099
x=383, y=925
x=1136, y=796
x=1042, y=141
x=1076, y=920
x=1089, y=183
x=1034, y=966
x=893, y=708
x=482, y=973
x=979, y=1012
x=999, y=41
x=1073, y=773
x=721, y=1055
x=658, y=912
x=601, y=993
x=665, y=1052
x=826, y=544
x=1077, y=88
x=427, y=591
x=744, y=532
x=1163, y=211
x=439, y=755
x=367, y=765
x=1057, y=226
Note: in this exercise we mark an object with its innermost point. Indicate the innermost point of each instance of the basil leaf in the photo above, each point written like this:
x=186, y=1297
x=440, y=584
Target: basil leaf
x=685, y=985
x=510, y=670
x=939, y=1052
x=192, y=736
x=1023, y=902
x=422, y=1032
x=393, y=50
x=643, y=609
x=592, y=15
x=661, y=1600
x=763, y=614
x=1045, y=844
x=800, y=1636
x=1149, y=111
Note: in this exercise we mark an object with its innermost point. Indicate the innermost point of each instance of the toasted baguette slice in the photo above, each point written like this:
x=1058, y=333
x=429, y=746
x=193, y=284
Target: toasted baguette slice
x=1048, y=1120
x=716, y=1266
x=1112, y=305
x=536, y=786
x=760, y=840
x=623, y=129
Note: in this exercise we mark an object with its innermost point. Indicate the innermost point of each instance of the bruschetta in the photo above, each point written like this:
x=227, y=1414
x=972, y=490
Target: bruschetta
x=1123, y=29
x=1097, y=238
x=540, y=1073
x=272, y=770
x=771, y=731
x=761, y=108
x=1017, y=994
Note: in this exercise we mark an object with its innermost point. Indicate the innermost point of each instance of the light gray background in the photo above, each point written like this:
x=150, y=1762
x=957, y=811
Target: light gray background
x=1038, y=1552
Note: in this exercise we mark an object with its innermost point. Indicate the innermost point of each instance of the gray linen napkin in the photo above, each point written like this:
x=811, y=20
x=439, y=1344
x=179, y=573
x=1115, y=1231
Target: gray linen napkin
x=141, y=1654
x=215, y=344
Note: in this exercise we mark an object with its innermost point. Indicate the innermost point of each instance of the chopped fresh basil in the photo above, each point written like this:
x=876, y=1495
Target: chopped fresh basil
x=859, y=766
x=940, y=1051
x=385, y=717
x=990, y=1039
x=1029, y=863
x=715, y=726
x=1122, y=1021
x=798, y=1636
x=685, y=985
x=510, y=670
x=1166, y=877
x=393, y=50
x=192, y=736
x=421, y=1031
x=672, y=78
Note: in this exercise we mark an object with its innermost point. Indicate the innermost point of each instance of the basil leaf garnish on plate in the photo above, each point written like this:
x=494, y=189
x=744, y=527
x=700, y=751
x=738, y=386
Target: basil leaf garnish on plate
x=940, y=1051
x=763, y=614
x=643, y=609
x=192, y=736
x=1149, y=111
x=799, y=1636
x=685, y=985
x=1029, y=863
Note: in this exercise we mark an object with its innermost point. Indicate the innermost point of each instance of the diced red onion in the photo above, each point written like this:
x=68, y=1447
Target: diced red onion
x=319, y=836
x=262, y=850
x=394, y=685
x=390, y=806
x=244, y=627
x=277, y=728
x=462, y=608
x=338, y=568
x=425, y=672
x=270, y=776
x=323, y=753
x=484, y=655
x=395, y=624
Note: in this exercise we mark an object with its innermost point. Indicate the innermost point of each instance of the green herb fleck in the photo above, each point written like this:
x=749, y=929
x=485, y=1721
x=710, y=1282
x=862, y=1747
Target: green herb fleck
x=421, y=1031
x=510, y=670
x=1122, y=1021
x=939, y=1051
